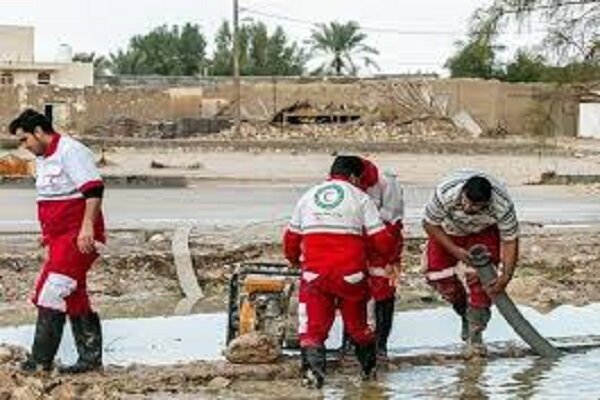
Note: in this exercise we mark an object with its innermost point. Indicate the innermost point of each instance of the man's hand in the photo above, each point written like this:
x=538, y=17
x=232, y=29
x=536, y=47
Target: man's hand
x=498, y=285
x=85, y=239
x=462, y=255
x=393, y=271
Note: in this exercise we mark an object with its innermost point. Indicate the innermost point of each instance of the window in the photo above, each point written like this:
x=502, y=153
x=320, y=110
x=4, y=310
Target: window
x=7, y=78
x=43, y=78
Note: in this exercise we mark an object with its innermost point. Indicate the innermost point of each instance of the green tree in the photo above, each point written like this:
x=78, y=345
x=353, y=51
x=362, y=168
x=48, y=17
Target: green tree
x=340, y=44
x=260, y=53
x=475, y=59
x=102, y=65
x=163, y=51
x=527, y=67
x=222, y=61
x=127, y=62
x=573, y=26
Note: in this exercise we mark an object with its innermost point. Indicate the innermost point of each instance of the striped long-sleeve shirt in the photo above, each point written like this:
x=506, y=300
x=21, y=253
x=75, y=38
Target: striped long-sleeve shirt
x=444, y=208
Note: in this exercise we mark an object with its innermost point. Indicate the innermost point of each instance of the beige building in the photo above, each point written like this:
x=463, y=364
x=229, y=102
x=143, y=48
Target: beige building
x=19, y=67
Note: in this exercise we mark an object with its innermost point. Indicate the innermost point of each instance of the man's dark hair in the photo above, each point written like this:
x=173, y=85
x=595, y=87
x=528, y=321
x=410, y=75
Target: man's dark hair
x=347, y=166
x=28, y=120
x=14, y=125
x=478, y=189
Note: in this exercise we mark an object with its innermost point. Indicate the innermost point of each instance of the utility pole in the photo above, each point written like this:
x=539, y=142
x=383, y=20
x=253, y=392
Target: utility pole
x=236, y=69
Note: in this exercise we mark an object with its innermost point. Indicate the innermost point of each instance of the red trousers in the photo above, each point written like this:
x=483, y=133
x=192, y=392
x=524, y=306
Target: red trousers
x=62, y=284
x=440, y=266
x=382, y=287
x=321, y=295
x=382, y=284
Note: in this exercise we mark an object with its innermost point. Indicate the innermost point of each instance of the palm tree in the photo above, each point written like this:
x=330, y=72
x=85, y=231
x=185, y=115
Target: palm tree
x=341, y=43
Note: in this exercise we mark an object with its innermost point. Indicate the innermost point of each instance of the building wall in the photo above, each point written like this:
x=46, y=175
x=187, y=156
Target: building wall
x=17, y=58
x=76, y=110
x=75, y=74
x=69, y=75
x=16, y=44
x=516, y=108
x=493, y=104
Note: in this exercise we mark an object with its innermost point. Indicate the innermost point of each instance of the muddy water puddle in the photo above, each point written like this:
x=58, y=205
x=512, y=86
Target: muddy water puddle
x=173, y=339
x=574, y=376
x=169, y=340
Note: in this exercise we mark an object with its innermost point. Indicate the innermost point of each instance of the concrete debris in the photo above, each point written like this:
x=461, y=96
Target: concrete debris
x=253, y=348
x=464, y=120
x=403, y=101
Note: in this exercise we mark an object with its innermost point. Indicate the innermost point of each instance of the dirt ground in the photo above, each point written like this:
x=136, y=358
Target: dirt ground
x=137, y=278
x=307, y=167
x=202, y=379
x=516, y=160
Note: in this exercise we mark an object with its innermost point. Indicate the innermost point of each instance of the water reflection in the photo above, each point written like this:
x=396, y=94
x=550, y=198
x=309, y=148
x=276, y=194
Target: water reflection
x=471, y=380
x=525, y=383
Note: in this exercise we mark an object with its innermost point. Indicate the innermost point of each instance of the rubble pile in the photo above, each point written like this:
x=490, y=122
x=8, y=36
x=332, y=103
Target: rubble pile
x=355, y=131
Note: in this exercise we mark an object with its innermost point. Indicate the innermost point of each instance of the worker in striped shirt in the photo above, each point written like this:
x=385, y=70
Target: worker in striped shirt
x=468, y=208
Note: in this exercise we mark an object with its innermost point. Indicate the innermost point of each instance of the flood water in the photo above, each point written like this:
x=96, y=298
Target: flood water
x=574, y=376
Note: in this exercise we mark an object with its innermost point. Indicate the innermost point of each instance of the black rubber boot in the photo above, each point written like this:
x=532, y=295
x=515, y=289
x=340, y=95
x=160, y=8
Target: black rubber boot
x=87, y=332
x=367, y=357
x=461, y=310
x=384, y=317
x=48, y=333
x=313, y=367
x=478, y=321
x=346, y=346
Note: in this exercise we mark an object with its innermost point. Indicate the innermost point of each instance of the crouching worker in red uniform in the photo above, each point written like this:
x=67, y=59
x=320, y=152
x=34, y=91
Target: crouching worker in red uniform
x=387, y=194
x=69, y=198
x=469, y=208
x=331, y=228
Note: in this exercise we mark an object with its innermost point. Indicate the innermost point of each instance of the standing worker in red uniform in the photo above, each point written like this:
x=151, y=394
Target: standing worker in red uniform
x=69, y=199
x=387, y=194
x=332, y=228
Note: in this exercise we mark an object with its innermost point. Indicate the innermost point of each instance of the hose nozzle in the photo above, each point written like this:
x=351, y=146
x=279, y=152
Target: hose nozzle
x=480, y=256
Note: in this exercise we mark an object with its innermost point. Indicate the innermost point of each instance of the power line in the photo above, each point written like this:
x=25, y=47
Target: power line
x=280, y=17
x=393, y=31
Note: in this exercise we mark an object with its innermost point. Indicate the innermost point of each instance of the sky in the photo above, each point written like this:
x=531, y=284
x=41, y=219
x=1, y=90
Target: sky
x=104, y=26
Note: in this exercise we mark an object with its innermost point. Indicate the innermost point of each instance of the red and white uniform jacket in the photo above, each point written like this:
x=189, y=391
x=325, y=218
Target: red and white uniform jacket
x=387, y=194
x=331, y=228
x=62, y=175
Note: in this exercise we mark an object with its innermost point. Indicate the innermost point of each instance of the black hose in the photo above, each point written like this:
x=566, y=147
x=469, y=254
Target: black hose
x=481, y=260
